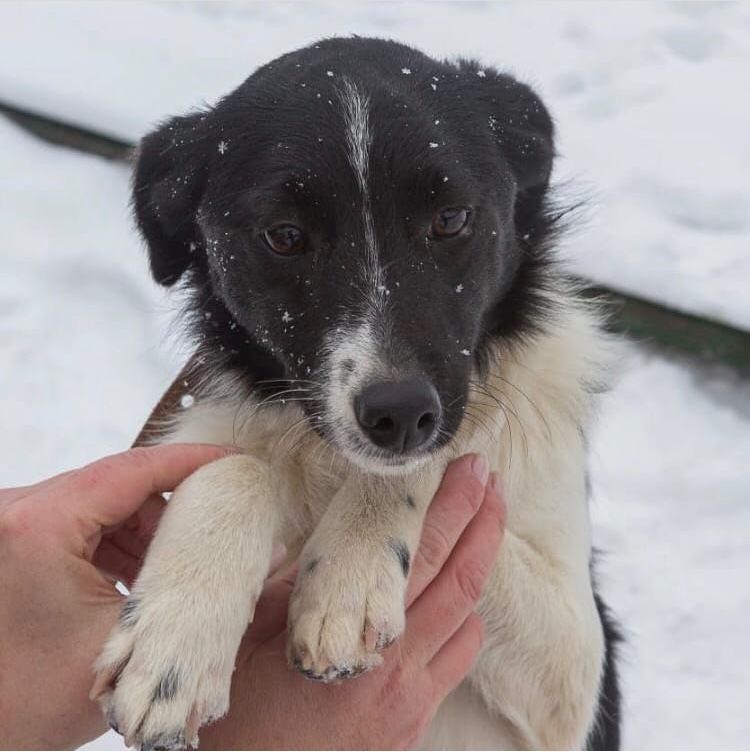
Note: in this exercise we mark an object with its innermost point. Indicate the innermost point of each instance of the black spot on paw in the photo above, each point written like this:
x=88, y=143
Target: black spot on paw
x=402, y=553
x=311, y=565
x=384, y=641
x=166, y=689
x=164, y=742
x=410, y=502
x=129, y=615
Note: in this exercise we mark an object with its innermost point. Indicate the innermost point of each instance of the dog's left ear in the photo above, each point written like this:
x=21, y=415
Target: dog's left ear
x=523, y=130
x=168, y=184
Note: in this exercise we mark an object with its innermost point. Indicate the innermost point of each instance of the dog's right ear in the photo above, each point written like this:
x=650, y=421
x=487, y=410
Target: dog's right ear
x=168, y=184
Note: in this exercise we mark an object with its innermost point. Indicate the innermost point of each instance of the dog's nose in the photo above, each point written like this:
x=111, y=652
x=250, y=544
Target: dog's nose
x=399, y=416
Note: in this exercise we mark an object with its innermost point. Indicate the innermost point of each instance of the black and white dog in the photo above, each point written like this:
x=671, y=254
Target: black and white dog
x=364, y=233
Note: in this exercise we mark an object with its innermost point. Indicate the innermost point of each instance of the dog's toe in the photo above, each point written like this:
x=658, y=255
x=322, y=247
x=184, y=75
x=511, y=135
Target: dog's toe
x=340, y=618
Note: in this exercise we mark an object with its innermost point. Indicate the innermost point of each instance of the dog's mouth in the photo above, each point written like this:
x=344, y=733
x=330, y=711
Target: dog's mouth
x=379, y=461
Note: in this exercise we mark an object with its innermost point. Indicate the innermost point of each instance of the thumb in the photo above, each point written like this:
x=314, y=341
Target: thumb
x=108, y=491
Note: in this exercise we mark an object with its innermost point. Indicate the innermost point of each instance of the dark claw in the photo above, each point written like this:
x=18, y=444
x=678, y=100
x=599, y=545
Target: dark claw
x=332, y=674
x=176, y=741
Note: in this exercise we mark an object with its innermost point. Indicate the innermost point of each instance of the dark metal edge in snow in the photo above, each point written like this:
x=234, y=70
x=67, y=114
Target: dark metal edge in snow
x=68, y=134
x=675, y=331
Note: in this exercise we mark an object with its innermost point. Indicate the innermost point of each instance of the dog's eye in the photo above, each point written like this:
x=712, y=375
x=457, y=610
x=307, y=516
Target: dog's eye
x=449, y=222
x=285, y=240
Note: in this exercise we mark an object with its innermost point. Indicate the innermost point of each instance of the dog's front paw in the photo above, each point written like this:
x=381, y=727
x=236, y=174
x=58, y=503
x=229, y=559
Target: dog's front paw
x=159, y=679
x=345, y=608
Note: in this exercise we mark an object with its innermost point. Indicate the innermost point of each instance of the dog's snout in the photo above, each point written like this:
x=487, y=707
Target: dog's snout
x=400, y=416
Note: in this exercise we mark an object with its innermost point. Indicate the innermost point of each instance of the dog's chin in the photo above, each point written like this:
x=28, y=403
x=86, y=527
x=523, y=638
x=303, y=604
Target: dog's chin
x=375, y=463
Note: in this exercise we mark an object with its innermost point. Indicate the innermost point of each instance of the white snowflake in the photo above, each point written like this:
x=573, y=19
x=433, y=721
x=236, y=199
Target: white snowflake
x=406, y=71
x=287, y=317
x=222, y=147
x=329, y=73
x=459, y=288
x=481, y=74
x=434, y=145
x=434, y=87
x=465, y=352
x=187, y=400
x=445, y=178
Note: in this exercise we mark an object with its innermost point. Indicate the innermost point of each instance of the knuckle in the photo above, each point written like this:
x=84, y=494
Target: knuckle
x=434, y=547
x=395, y=687
x=470, y=578
x=17, y=521
x=469, y=493
x=101, y=471
x=475, y=626
x=89, y=477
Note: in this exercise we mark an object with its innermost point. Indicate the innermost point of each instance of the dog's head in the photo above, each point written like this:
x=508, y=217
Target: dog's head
x=356, y=221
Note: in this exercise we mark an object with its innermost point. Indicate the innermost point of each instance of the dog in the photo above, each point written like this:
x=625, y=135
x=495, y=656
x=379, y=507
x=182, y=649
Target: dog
x=365, y=237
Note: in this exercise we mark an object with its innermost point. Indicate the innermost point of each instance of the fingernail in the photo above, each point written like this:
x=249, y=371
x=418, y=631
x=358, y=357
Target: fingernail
x=496, y=485
x=480, y=467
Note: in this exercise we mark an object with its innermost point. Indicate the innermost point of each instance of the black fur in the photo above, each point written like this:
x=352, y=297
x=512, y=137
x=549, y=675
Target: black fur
x=605, y=733
x=128, y=614
x=402, y=554
x=167, y=687
x=207, y=185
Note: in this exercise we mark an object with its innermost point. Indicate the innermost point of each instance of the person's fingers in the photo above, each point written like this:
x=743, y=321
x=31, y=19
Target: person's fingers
x=116, y=563
x=456, y=502
x=110, y=490
x=455, y=659
x=452, y=596
x=134, y=535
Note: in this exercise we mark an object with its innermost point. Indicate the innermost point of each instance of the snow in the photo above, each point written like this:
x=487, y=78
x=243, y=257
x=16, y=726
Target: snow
x=86, y=355
x=647, y=98
x=81, y=357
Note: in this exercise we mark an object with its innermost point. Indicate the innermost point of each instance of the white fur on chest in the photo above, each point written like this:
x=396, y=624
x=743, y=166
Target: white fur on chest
x=528, y=418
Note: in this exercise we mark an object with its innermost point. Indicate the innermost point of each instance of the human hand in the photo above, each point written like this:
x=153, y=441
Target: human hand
x=63, y=543
x=274, y=707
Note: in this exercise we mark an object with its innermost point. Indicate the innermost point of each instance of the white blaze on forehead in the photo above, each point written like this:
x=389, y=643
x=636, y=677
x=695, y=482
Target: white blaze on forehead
x=359, y=140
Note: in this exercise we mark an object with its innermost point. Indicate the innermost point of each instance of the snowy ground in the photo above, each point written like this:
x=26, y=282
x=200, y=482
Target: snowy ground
x=648, y=98
x=670, y=456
